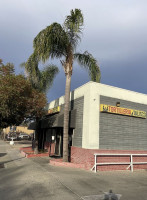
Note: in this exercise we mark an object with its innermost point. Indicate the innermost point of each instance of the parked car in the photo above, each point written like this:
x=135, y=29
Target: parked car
x=11, y=137
x=23, y=136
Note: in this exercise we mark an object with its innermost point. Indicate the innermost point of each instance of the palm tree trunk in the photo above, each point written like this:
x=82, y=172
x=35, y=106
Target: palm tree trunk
x=66, y=117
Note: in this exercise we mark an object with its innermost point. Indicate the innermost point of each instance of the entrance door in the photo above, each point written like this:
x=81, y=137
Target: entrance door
x=59, y=142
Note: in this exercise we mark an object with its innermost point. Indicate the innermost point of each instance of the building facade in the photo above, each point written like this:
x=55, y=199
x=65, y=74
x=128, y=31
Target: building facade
x=102, y=119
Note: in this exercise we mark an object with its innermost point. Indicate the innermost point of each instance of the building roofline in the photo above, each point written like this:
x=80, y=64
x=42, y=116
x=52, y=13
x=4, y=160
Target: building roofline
x=118, y=88
x=101, y=84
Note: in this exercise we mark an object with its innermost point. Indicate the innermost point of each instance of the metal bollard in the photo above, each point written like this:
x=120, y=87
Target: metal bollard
x=12, y=142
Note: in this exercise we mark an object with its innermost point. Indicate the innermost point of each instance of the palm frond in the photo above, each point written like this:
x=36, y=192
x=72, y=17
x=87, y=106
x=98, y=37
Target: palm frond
x=22, y=65
x=51, y=42
x=89, y=62
x=46, y=77
x=32, y=70
x=74, y=21
x=73, y=26
x=39, y=79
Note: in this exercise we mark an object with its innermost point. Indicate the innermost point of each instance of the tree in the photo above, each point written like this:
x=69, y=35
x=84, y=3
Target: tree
x=40, y=80
x=18, y=100
x=56, y=41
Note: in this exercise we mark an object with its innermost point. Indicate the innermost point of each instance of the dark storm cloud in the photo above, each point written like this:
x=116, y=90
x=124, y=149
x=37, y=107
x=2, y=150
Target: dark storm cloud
x=115, y=32
x=128, y=75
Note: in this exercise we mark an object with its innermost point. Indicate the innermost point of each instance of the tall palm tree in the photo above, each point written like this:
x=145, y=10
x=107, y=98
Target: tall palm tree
x=56, y=41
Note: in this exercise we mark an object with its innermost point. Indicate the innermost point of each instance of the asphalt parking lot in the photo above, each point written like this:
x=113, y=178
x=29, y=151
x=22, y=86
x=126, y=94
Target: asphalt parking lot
x=34, y=178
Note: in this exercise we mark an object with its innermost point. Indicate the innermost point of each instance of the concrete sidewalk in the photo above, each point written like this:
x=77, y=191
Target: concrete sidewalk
x=34, y=178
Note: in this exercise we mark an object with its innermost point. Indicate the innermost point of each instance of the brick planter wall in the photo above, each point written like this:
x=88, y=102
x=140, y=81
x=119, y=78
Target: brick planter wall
x=86, y=158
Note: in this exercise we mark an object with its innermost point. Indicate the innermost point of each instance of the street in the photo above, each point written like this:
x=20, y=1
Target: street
x=35, y=179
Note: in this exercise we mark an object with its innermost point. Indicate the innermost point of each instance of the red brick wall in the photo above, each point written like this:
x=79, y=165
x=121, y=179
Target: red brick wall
x=86, y=157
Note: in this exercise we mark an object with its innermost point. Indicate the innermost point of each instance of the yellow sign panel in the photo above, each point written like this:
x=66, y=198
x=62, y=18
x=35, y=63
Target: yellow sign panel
x=122, y=111
x=54, y=110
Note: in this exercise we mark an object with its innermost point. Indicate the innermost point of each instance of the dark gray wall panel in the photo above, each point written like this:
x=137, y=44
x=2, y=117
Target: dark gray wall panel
x=122, y=132
x=77, y=105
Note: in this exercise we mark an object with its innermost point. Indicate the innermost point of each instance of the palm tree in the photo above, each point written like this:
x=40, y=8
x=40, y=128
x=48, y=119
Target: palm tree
x=56, y=41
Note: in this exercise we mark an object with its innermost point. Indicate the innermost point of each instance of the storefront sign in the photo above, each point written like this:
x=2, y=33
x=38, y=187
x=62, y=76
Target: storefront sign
x=122, y=111
x=54, y=110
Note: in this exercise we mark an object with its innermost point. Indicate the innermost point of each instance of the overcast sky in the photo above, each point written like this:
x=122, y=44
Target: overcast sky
x=115, y=32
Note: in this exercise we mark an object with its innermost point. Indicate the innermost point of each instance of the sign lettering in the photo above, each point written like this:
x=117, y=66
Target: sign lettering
x=122, y=111
x=54, y=110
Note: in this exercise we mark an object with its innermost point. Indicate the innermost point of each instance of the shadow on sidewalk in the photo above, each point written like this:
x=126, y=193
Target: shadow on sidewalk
x=1, y=163
x=2, y=154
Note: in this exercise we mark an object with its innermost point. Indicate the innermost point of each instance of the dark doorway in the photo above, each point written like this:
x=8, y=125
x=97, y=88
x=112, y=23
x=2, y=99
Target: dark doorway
x=59, y=142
